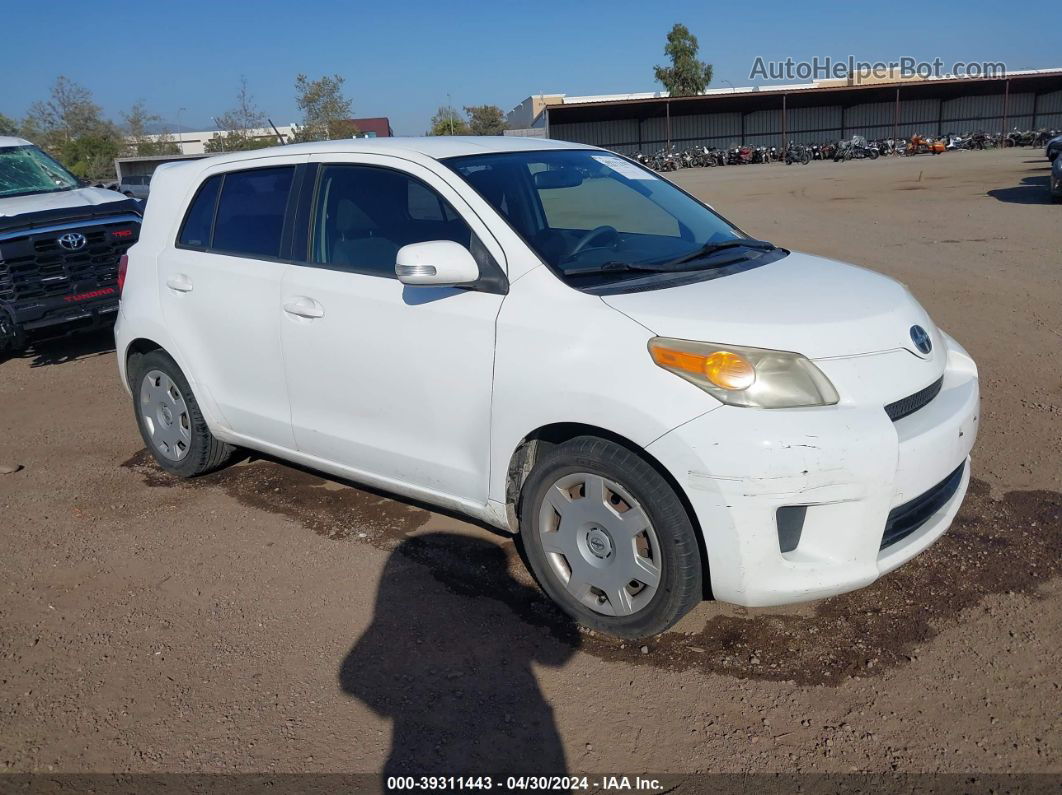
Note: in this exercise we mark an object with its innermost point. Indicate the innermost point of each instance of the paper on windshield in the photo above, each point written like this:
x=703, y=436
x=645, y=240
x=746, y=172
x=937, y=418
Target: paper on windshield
x=623, y=168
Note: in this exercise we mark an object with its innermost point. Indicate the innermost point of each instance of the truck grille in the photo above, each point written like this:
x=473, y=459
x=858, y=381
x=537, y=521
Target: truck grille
x=35, y=266
x=912, y=403
x=907, y=518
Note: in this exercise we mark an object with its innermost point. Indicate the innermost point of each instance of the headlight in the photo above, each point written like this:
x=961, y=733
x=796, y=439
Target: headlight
x=741, y=376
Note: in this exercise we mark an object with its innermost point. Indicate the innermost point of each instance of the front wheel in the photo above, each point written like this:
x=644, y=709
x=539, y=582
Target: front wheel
x=170, y=420
x=609, y=540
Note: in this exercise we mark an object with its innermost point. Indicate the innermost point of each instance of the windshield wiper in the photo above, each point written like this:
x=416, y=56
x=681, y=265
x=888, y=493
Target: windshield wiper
x=611, y=267
x=708, y=249
x=694, y=261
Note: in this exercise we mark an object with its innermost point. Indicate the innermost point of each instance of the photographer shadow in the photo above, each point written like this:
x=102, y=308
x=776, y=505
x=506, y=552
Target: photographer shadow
x=447, y=661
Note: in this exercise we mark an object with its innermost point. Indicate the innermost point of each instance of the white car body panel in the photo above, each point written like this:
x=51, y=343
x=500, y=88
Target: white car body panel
x=429, y=391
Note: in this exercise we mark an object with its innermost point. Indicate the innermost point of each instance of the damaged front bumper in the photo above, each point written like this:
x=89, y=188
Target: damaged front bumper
x=842, y=472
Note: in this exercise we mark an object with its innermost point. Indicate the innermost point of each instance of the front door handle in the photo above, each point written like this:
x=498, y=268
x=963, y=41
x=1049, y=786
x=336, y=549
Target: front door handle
x=180, y=282
x=301, y=306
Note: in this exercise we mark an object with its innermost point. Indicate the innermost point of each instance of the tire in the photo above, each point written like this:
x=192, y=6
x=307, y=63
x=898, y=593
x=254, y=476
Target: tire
x=170, y=420
x=872, y=154
x=613, y=551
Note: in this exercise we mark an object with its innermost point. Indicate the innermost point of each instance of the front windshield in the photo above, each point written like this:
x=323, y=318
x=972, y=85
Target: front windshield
x=587, y=211
x=26, y=169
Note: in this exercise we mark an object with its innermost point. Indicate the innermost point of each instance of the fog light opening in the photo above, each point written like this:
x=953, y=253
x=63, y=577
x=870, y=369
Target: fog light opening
x=790, y=520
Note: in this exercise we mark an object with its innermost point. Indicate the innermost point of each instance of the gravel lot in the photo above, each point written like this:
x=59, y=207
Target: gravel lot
x=266, y=618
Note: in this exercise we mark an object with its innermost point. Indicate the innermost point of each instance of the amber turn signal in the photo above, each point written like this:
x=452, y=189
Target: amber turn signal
x=725, y=369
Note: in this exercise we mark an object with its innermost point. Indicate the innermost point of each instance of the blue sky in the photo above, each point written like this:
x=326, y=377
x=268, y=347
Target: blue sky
x=401, y=59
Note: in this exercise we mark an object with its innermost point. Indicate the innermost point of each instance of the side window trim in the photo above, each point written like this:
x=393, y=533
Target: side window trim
x=214, y=215
x=303, y=217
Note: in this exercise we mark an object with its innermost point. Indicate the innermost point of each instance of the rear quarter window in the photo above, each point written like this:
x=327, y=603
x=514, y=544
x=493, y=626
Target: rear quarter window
x=195, y=232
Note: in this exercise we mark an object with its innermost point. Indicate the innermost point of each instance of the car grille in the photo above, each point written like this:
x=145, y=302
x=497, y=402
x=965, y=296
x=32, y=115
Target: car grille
x=35, y=266
x=912, y=403
x=907, y=518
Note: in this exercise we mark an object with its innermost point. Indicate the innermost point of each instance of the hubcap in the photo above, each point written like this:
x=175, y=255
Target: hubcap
x=600, y=544
x=165, y=414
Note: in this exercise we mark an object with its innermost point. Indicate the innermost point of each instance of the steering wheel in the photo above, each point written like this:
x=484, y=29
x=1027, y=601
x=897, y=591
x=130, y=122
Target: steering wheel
x=593, y=234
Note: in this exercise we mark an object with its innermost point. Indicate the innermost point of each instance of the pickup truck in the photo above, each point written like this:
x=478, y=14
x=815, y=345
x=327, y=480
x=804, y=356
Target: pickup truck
x=60, y=244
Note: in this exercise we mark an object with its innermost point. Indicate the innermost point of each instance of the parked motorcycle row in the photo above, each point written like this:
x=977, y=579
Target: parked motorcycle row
x=855, y=148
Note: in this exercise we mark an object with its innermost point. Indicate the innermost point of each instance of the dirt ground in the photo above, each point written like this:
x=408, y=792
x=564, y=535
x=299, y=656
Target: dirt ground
x=266, y=618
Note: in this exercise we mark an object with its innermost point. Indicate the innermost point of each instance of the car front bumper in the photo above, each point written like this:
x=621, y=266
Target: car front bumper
x=849, y=465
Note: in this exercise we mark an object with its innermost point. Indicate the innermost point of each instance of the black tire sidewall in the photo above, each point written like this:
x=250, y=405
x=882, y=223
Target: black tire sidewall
x=195, y=462
x=681, y=570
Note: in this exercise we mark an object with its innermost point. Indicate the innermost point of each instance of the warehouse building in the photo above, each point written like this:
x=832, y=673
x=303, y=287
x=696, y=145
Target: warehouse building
x=806, y=113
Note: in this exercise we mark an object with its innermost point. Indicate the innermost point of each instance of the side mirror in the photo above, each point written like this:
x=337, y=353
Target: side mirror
x=436, y=262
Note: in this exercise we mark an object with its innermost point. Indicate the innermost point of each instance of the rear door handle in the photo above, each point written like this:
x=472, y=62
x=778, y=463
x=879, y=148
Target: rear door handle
x=301, y=306
x=180, y=282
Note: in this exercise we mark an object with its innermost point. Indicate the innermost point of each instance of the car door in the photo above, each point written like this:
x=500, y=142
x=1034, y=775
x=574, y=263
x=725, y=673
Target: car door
x=220, y=293
x=387, y=380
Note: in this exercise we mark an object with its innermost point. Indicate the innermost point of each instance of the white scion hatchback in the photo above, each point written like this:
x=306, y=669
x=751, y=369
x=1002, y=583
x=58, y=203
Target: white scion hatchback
x=554, y=340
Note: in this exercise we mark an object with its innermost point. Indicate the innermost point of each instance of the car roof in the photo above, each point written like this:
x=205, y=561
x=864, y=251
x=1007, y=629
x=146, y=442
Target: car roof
x=436, y=147
x=10, y=140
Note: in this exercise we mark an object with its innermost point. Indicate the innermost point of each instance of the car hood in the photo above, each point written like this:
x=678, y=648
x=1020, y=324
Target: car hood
x=36, y=202
x=802, y=303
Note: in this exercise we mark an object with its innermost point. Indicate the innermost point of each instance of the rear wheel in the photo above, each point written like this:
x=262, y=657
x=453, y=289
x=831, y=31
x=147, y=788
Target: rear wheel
x=170, y=420
x=608, y=539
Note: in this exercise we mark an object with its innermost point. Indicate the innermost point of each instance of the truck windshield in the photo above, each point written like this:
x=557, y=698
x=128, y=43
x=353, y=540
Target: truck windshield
x=26, y=169
x=593, y=215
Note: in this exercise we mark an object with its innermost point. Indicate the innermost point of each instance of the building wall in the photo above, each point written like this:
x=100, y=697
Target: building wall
x=194, y=142
x=930, y=117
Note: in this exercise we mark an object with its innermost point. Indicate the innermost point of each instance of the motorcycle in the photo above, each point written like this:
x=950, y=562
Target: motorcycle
x=797, y=153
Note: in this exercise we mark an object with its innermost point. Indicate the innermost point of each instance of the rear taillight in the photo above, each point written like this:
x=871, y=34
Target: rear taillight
x=123, y=266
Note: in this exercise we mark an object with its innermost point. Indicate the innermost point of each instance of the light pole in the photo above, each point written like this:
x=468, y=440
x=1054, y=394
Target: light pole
x=450, y=108
x=180, y=136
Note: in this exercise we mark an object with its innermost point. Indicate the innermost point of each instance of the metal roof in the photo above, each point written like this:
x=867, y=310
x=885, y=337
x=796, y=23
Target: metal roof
x=575, y=109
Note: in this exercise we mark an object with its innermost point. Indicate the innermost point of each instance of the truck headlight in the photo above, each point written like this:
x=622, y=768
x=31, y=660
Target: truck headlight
x=740, y=376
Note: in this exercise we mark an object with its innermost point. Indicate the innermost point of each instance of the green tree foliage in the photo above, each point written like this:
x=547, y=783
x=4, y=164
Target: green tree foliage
x=92, y=156
x=485, y=119
x=141, y=142
x=686, y=76
x=8, y=126
x=242, y=126
x=71, y=126
x=446, y=121
x=325, y=110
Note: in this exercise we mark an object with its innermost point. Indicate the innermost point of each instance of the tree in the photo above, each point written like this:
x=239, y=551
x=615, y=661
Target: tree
x=68, y=113
x=70, y=126
x=92, y=156
x=686, y=76
x=325, y=111
x=138, y=123
x=8, y=126
x=485, y=119
x=239, y=125
x=447, y=122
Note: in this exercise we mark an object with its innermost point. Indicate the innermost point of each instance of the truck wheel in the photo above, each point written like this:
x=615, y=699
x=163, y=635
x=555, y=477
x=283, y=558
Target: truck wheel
x=170, y=421
x=608, y=539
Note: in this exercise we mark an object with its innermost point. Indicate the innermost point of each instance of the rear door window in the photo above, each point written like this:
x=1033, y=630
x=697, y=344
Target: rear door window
x=250, y=212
